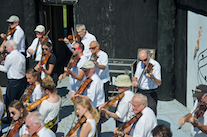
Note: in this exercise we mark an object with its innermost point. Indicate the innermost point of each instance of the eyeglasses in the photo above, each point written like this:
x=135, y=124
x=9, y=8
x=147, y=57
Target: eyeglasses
x=143, y=60
x=134, y=104
x=30, y=126
x=45, y=48
x=11, y=23
x=92, y=47
x=75, y=48
x=13, y=113
x=79, y=31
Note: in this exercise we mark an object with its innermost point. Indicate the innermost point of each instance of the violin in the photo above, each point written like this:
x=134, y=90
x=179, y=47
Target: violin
x=82, y=87
x=3, y=56
x=45, y=38
x=72, y=63
x=71, y=38
x=37, y=103
x=135, y=118
x=109, y=103
x=10, y=32
x=16, y=127
x=29, y=92
x=80, y=122
x=44, y=60
x=94, y=57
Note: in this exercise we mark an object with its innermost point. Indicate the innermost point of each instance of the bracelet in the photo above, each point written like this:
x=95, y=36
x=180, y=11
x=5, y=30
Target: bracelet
x=153, y=80
x=124, y=135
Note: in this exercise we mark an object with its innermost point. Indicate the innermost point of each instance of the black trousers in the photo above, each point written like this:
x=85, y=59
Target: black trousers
x=151, y=98
x=14, y=90
x=106, y=89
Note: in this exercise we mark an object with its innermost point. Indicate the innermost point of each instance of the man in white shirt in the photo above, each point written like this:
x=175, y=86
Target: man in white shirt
x=101, y=63
x=18, y=35
x=86, y=39
x=150, y=80
x=14, y=66
x=35, y=125
x=123, y=111
x=143, y=126
x=35, y=49
x=94, y=92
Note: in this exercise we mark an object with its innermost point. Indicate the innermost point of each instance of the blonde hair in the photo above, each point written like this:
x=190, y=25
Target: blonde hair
x=34, y=73
x=86, y=103
x=47, y=83
x=2, y=99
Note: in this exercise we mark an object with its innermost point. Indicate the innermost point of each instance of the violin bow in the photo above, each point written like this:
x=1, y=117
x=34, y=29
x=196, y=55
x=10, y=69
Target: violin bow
x=140, y=78
x=73, y=34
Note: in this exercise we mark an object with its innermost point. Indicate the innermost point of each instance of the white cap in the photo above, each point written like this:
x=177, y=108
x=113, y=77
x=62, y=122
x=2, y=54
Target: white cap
x=13, y=18
x=40, y=28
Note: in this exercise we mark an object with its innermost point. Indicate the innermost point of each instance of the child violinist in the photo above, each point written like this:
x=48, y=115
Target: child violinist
x=50, y=107
x=34, y=91
x=18, y=113
x=87, y=129
x=48, y=63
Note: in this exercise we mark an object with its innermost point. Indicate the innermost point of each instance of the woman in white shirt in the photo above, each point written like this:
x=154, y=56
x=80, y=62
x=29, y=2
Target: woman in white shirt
x=87, y=129
x=33, y=78
x=18, y=113
x=50, y=107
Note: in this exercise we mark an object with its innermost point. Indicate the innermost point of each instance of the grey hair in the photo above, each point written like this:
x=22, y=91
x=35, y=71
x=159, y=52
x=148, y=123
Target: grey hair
x=11, y=43
x=36, y=117
x=141, y=98
x=80, y=26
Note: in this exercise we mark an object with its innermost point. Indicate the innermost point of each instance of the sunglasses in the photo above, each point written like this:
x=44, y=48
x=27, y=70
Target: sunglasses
x=13, y=113
x=143, y=60
x=92, y=48
x=11, y=23
x=75, y=48
x=45, y=48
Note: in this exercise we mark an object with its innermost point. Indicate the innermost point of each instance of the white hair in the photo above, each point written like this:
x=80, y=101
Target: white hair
x=80, y=26
x=141, y=98
x=36, y=118
x=11, y=43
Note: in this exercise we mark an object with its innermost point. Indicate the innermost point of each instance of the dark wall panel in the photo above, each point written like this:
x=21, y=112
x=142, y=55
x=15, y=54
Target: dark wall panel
x=121, y=26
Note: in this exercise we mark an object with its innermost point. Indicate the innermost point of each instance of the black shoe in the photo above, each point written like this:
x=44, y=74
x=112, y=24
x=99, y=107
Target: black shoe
x=6, y=121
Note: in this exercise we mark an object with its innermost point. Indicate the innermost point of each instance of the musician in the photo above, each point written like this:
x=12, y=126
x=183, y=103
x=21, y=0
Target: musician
x=33, y=78
x=18, y=113
x=144, y=125
x=35, y=125
x=49, y=60
x=35, y=49
x=94, y=92
x=102, y=68
x=161, y=131
x=14, y=66
x=18, y=35
x=2, y=110
x=150, y=81
x=50, y=107
x=86, y=39
x=76, y=74
x=123, y=106
x=198, y=124
x=88, y=129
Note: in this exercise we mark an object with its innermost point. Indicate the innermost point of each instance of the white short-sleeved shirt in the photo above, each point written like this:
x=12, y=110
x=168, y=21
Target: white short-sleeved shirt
x=50, y=110
x=33, y=46
x=1, y=111
x=93, y=131
x=19, y=38
x=36, y=94
x=86, y=40
x=44, y=132
x=95, y=91
x=21, y=131
x=145, y=124
x=74, y=83
x=196, y=132
x=147, y=83
x=124, y=109
x=102, y=59
x=14, y=65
